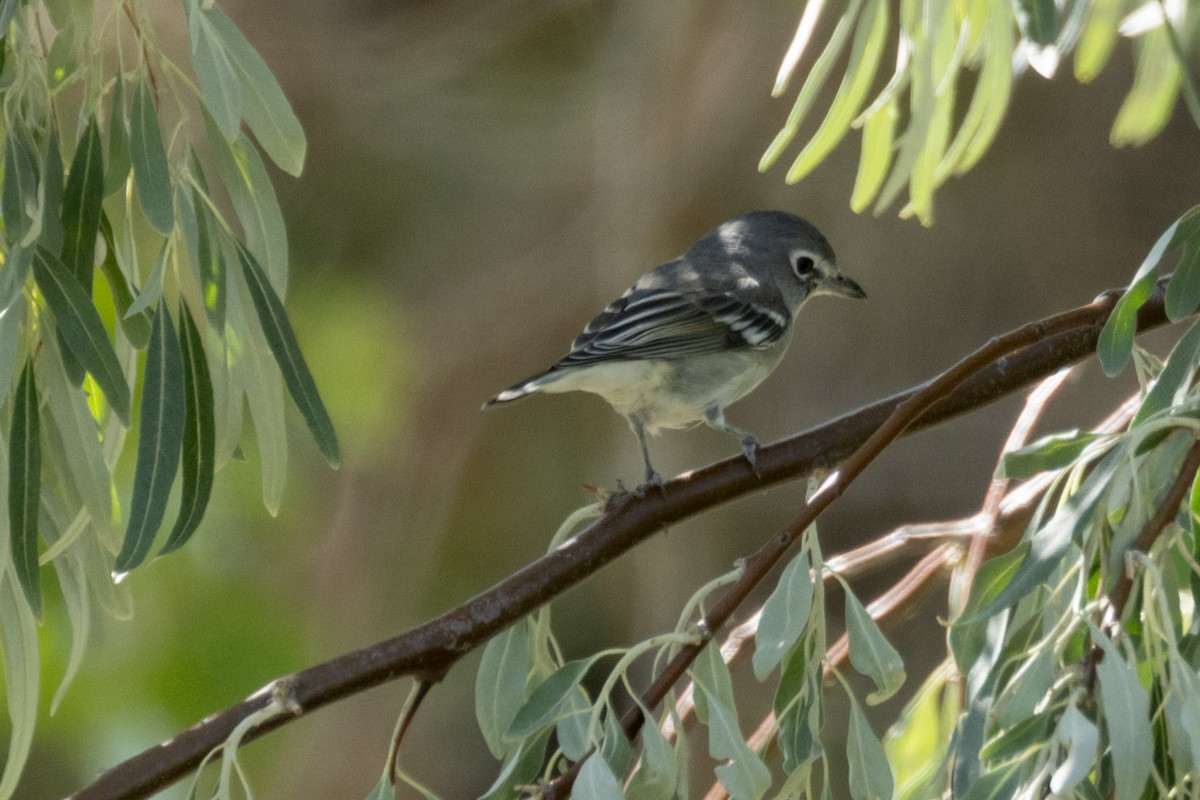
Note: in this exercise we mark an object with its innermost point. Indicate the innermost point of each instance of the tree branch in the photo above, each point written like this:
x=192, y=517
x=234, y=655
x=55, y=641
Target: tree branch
x=428, y=651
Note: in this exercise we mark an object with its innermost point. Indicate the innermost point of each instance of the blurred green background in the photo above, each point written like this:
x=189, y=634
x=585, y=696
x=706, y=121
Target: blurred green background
x=482, y=178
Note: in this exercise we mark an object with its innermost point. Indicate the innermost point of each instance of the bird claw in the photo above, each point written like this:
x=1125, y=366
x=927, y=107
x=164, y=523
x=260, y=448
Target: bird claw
x=750, y=451
x=653, y=479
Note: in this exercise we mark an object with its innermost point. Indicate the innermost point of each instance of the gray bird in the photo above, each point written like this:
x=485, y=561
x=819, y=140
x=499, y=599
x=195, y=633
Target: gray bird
x=700, y=332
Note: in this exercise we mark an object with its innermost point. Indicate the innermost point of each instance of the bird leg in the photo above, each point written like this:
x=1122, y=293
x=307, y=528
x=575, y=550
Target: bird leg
x=652, y=476
x=715, y=417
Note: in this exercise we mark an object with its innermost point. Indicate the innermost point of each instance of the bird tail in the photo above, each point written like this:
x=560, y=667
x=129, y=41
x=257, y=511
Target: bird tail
x=524, y=388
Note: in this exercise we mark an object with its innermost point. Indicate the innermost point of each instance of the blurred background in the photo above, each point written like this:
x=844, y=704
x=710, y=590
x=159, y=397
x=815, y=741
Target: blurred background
x=481, y=180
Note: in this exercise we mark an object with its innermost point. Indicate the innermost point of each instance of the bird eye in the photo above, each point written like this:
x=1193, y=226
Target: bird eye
x=805, y=266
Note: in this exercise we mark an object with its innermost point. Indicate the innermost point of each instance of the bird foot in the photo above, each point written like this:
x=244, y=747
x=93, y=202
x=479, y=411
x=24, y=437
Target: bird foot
x=750, y=451
x=653, y=480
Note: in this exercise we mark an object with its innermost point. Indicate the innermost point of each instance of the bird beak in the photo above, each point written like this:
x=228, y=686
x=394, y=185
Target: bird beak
x=842, y=286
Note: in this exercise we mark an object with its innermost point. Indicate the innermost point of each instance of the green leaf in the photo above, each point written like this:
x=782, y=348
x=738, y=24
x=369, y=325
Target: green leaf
x=1052, y=452
x=1001, y=783
x=871, y=654
x=870, y=36
x=52, y=186
x=1172, y=383
x=1097, y=39
x=657, y=775
x=784, y=616
x=917, y=743
x=299, y=380
x=1183, y=290
x=159, y=443
x=219, y=84
x=572, y=725
x=258, y=374
x=1049, y=544
x=596, y=781
x=19, y=643
x=25, y=488
x=879, y=132
x=1156, y=82
x=82, y=329
x=199, y=436
x=151, y=175
x=812, y=85
x=19, y=200
x=500, y=685
x=870, y=775
x=549, y=700
x=249, y=187
x=151, y=291
x=521, y=769
x=1038, y=20
x=743, y=774
x=1126, y=706
x=264, y=106
x=384, y=790
x=119, y=162
x=81, y=206
x=136, y=326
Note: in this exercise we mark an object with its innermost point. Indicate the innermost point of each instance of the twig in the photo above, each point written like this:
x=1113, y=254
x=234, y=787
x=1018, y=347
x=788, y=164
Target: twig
x=406, y=717
x=429, y=650
x=1154, y=526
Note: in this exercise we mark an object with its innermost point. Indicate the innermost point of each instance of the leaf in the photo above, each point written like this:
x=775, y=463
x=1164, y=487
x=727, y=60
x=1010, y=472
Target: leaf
x=870, y=775
x=19, y=643
x=784, y=616
x=1172, y=383
x=548, y=701
x=871, y=653
x=199, y=436
x=1052, y=452
x=520, y=769
x=25, y=488
x=917, y=743
x=657, y=774
x=596, y=781
x=1038, y=20
x=264, y=106
x=743, y=774
x=151, y=291
x=1156, y=82
x=81, y=206
x=159, y=443
x=384, y=790
x=1080, y=738
x=500, y=685
x=812, y=85
x=282, y=340
x=1048, y=545
x=19, y=201
x=1126, y=706
x=1097, y=39
x=82, y=329
x=151, y=175
x=1183, y=290
x=52, y=187
x=119, y=162
x=219, y=84
x=254, y=368
x=870, y=36
x=879, y=131
x=135, y=326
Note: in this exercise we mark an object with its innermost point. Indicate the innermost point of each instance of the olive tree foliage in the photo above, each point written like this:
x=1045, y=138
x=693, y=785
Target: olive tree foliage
x=130, y=259
x=1072, y=661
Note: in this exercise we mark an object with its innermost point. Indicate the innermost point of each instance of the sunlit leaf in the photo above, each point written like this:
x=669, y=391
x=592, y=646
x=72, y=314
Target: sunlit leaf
x=160, y=441
x=879, y=132
x=1126, y=706
x=1053, y=452
x=1151, y=99
x=151, y=175
x=1097, y=39
x=278, y=331
x=870, y=36
x=82, y=329
x=198, y=455
x=25, y=487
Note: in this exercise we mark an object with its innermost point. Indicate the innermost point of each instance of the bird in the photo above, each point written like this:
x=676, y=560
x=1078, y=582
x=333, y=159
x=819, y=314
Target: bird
x=697, y=333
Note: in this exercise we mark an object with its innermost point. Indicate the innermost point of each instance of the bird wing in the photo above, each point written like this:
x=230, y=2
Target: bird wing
x=666, y=323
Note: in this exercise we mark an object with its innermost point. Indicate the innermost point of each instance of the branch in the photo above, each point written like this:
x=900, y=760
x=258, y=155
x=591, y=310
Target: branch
x=428, y=651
